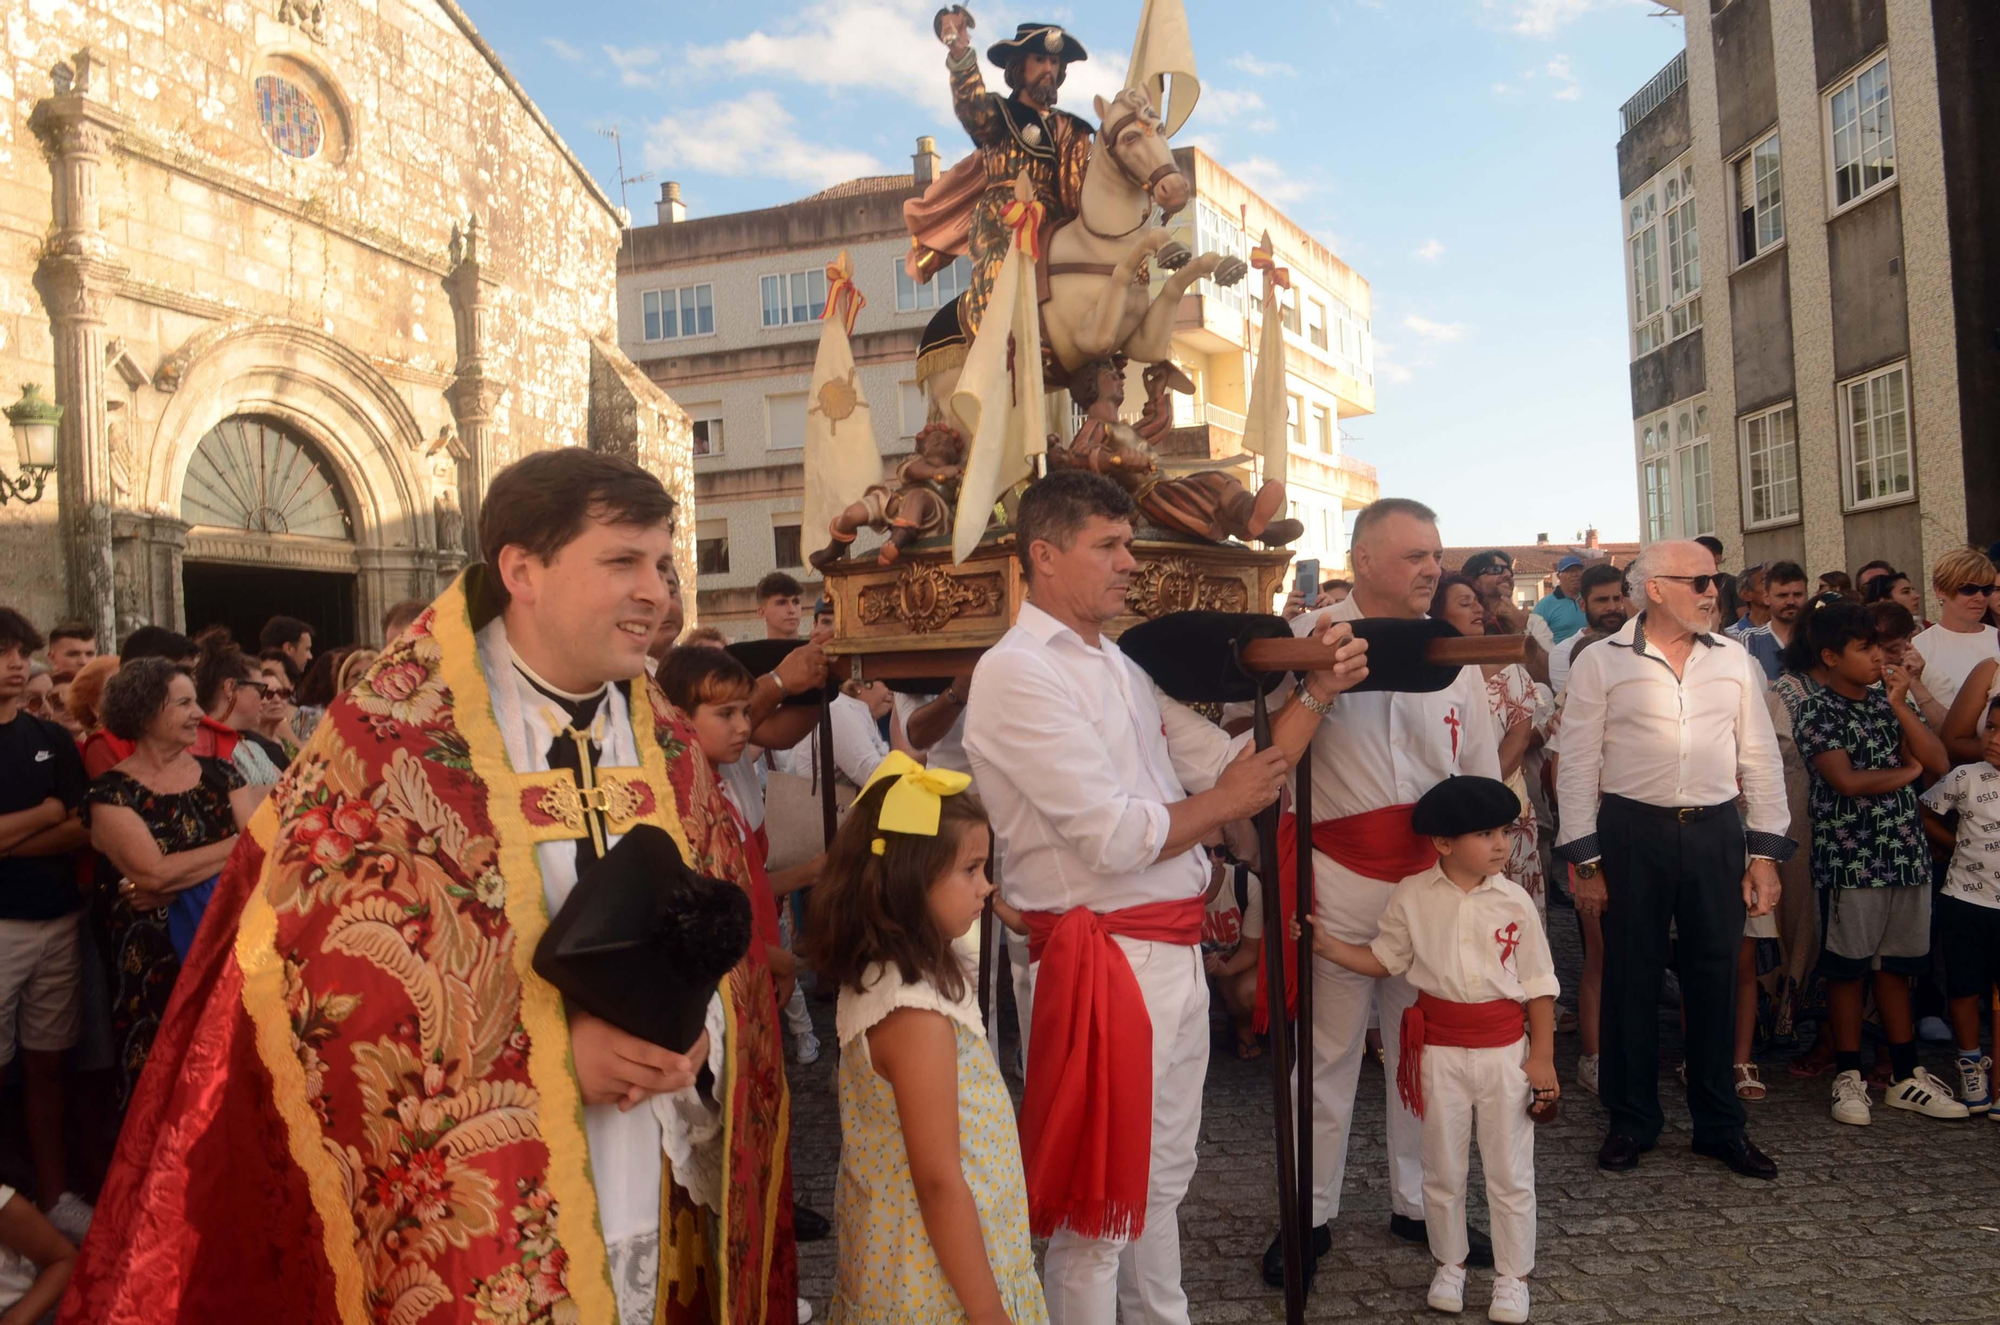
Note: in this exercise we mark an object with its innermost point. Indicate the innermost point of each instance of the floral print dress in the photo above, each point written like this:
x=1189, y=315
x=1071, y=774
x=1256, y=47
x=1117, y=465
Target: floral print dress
x=1512, y=695
x=138, y=953
x=888, y=1272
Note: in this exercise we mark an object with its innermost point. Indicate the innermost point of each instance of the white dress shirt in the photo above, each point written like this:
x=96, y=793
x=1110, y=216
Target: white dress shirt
x=1077, y=758
x=1467, y=947
x=948, y=751
x=857, y=745
x=1632, y=728
x=1379, y=748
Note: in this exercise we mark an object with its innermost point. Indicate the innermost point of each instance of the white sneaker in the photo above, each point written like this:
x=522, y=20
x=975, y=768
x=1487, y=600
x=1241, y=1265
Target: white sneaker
x=1510, y=1299
x=1975, y=1083
x=1448, y=1290
x=1850, y=1100
x=71, y=1216
x=1923, y=1093
x=806, y=1049
x=1586, y=1072
x=805, y=1312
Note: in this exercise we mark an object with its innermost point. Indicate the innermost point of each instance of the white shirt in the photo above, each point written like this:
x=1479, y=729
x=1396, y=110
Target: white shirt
x=1077, y=758
x=1974, y=791
x=1468, y=947
x=948, y=751
x=1379, y=748
x=1950, y=655
x=1564, y=658
x=1632, y=728
x=857, y=744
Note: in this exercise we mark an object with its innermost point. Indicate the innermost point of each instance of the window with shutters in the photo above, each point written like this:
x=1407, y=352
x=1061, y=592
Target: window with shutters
x=1875, y=438
x=1759, y=200
x=1770, y=451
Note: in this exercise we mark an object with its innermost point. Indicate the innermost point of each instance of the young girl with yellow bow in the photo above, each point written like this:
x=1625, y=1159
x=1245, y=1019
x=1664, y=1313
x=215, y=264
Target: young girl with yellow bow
x=931, y=1208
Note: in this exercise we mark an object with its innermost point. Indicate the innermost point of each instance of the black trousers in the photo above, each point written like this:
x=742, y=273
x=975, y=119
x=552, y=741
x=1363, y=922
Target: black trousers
x=1657, y=871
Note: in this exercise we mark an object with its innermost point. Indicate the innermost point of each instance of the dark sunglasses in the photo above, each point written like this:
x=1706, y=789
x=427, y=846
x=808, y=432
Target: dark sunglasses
x=1968, y=590
x=1699, y=583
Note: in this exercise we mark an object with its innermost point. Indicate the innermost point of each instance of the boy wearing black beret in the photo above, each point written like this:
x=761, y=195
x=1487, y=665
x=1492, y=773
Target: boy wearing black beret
x=1468, y=938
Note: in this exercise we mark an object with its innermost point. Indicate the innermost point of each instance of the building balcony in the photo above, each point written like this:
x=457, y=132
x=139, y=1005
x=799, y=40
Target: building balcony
x=1650, y=97
x=1352, y=481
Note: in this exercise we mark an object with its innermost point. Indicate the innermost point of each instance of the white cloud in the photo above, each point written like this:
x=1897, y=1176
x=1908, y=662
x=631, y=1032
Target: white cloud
x=1504, y=89
x=634, y=64
x=753, y=135
x=1221, y=105
x=1256, y=68
x=1389, y=366
x=1274, y=181
x=563, y=50
x=1544, y=18
x=1558, y=71
x=1437, y=333
x=1429, y=251
x=1262, y=126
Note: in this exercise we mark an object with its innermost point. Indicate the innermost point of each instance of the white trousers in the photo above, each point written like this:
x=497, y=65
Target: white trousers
x=1352, y=905
x=1487, y=1091
x=1092, y=1281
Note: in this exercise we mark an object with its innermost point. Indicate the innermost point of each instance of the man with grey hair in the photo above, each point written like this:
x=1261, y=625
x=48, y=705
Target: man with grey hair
x=1373, y=757
x=1660, y=727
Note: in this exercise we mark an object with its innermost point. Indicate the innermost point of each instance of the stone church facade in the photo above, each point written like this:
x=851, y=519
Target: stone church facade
x=303, y=276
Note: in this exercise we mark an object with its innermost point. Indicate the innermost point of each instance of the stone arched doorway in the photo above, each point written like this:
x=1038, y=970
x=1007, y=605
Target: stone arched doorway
x=271, y=532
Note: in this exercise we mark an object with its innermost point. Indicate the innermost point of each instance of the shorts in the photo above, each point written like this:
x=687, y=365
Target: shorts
x=1859, y=925
x=40, y=967
x=1969, y=939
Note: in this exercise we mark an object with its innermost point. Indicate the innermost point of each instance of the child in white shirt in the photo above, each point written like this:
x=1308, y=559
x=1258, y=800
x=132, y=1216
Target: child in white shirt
x=1469, y=939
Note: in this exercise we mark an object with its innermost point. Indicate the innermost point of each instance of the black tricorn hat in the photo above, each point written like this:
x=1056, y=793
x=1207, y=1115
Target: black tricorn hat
x=1037, y=39
x=1460, y=805
x=763, y=655
x=1192, y=655
x=642, y=940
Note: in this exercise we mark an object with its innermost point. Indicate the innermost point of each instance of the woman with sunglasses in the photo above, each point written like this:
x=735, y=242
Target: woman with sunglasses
x=229, y=693
x=1964, y=580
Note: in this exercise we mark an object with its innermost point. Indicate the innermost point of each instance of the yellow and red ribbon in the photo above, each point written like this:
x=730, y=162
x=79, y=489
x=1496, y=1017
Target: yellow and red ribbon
x=1025, y=220
x=843, y=295
x=1266, y=260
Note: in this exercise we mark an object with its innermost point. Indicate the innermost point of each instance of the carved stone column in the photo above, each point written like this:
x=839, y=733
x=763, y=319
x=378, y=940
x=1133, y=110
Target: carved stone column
x=474, y=393
x=147, y=551
x=76, y=278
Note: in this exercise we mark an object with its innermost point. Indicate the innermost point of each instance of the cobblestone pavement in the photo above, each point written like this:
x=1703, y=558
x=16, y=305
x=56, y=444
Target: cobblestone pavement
x=1897, y=1222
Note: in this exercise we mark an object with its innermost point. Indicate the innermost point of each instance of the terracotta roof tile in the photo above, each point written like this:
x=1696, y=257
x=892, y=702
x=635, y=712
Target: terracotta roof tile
x=1539, y=559
x=854, y=188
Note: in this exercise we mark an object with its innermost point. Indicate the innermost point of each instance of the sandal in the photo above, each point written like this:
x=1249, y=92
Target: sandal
x=1748, y=1086
x=1249, y=1049
x=1810, y=1064
x=1566, y=1022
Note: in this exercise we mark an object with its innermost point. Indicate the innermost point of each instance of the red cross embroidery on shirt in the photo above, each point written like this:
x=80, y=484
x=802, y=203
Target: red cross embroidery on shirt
x=1509, y=939
x=1451, y=721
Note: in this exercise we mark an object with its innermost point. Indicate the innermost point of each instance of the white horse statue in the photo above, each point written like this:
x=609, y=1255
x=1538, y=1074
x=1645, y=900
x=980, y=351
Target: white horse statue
x=1099, y=301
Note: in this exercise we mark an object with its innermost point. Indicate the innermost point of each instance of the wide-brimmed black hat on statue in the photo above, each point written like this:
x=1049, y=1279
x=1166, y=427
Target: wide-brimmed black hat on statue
x=1037, y=39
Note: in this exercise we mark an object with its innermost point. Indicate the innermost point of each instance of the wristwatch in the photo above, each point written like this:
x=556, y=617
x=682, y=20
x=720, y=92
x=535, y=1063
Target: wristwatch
x=1319, y=706
x=1587, y=870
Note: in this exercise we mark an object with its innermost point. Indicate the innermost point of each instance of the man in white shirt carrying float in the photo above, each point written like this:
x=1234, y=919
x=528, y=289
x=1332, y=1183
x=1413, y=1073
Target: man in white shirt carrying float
x=1374, y=756
x=1099, y=794
x=1663, y=722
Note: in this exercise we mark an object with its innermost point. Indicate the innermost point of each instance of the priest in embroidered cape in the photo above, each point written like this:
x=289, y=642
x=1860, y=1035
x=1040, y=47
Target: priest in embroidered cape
x=363, y=1105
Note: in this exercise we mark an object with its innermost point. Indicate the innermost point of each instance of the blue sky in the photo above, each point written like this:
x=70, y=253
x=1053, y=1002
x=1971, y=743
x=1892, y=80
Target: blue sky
x=1458, y=153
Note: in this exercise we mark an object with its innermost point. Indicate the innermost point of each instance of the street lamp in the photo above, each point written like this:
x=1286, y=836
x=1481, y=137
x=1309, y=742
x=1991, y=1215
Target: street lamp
x=34, y=419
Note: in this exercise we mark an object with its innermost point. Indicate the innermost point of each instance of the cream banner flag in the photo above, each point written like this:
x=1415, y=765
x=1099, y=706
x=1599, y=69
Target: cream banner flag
x=1265, y=422
x=842, y=460
x=999, y=397
x=1163, y=49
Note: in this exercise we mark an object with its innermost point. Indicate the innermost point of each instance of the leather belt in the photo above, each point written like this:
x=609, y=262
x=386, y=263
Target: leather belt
x=1683, y=814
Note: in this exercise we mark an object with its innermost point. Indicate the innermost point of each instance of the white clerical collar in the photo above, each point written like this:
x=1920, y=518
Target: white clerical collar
x=553, y=691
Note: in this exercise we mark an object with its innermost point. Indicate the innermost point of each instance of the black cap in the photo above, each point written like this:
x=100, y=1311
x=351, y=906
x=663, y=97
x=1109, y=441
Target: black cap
x=1461, y=805
x=642, y=940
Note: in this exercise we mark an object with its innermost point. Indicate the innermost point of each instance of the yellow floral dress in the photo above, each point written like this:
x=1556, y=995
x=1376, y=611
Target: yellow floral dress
x=888, y=1274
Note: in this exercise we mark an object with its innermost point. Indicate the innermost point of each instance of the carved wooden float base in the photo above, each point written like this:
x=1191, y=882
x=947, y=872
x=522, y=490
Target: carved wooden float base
x=923, y=616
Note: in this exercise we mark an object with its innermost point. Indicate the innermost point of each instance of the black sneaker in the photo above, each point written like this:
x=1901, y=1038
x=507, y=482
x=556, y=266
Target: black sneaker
x=1274, y=1256
x=808, y=1225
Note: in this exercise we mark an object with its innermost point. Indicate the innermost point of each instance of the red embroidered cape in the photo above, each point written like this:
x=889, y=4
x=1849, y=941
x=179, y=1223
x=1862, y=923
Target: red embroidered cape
x=360, y=1109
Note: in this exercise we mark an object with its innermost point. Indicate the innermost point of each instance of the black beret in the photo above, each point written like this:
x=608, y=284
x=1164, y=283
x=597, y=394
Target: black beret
x=642, y=940
x=1461, y=805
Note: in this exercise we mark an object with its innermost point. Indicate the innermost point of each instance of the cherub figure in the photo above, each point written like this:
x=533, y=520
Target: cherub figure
x=918, y=506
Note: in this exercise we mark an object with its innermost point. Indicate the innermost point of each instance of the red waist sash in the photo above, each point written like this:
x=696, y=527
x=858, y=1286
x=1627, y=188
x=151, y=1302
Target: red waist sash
x=1377, y=844
x=1087, y=1112
x=1431, y=1020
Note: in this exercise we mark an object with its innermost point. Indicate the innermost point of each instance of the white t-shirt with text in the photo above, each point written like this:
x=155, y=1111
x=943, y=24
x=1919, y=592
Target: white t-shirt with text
x=1974, y=791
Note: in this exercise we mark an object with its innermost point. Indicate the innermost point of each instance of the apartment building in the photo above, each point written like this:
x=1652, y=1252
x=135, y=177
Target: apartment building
x=723, y=313
x=1811, y=300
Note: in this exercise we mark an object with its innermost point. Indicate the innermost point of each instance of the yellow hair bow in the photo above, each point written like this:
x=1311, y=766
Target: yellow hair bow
x=912, y=804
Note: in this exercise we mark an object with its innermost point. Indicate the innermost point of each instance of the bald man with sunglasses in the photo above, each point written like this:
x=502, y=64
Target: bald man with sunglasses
x=1662, y=723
